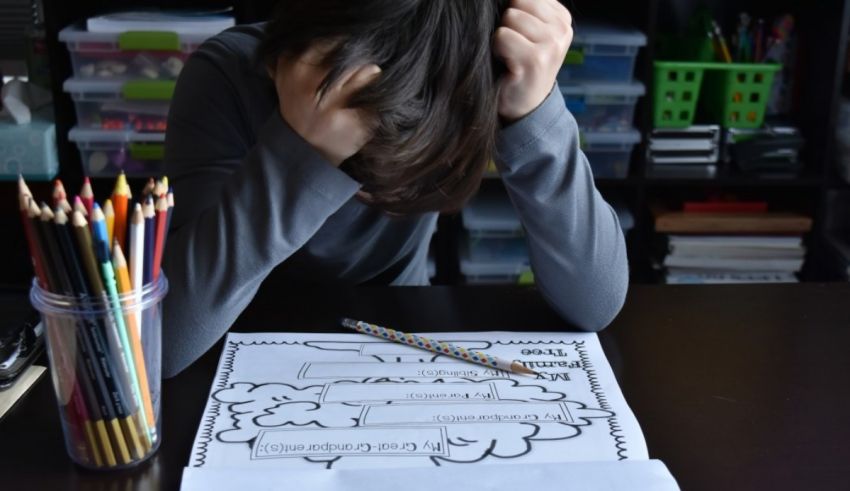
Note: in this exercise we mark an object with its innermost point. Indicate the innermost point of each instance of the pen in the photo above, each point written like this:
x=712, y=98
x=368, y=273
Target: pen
x=721, y=41
x=439, y=347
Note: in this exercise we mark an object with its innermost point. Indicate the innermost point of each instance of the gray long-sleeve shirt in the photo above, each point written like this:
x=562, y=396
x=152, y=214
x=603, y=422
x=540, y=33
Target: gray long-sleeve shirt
x=253, y=195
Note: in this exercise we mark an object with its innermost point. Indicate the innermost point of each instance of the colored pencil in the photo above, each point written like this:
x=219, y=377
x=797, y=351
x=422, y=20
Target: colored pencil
x=80, y=206
x=150, y=240
x=438, y=347
x=159, y=241
x=60, y=197
x=115, y=362
x=62, y=336
x=148, y=189
x=34, y=217
x=101, y=248
x=95, y=430
x=87, y=196
x=94, y=386
x=159, y=189
x=108, y=219
x=170, y=198
x=122, y=275
x=120, y=202
x=137, y=257
x=24, y=197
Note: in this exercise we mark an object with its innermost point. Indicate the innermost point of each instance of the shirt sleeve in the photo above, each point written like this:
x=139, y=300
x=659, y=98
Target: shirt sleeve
x=242, y=206
x=577, y=249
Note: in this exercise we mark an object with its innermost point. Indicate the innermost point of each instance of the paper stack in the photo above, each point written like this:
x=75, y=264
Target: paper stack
x=730, y=259
x=733, y=247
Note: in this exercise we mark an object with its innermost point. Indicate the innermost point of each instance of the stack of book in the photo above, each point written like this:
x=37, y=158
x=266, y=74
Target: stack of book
x=684, y=153
x=708, y=243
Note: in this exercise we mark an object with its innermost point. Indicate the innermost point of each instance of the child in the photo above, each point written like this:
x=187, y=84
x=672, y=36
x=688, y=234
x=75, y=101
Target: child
x=326, y=142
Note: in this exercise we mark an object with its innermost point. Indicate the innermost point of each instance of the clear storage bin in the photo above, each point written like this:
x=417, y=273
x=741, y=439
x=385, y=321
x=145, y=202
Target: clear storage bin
x=488, y=249
x=610, y=153
x=152, y=55
x=603, y=106
x=602, y=53
x=106, y=153
x=496, y=271
x=141, y=106
x=29, y=149
x=491, y=214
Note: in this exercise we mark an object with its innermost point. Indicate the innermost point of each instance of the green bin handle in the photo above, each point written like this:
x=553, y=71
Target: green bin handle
x=575, y=56
x=149, y=90
x=148, y=41
x=147, y=151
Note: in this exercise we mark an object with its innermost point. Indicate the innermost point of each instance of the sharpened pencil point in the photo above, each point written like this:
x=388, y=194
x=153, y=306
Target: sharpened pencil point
x=520, y=368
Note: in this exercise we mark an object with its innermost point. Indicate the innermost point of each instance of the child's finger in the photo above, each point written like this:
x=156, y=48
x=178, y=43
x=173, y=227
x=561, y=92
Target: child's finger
x=360, y=78
x=541, y=10
x=531, y=27
x=513, y=48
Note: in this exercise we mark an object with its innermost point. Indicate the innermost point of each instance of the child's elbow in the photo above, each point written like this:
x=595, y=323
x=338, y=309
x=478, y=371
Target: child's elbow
x=597, y=301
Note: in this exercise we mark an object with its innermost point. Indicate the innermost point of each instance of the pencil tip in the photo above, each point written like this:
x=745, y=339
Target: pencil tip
x=520, y=368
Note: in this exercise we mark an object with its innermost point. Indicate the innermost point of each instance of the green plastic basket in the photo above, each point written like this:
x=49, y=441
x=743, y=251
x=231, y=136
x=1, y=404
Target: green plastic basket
x=677, y=86
x=734, y=95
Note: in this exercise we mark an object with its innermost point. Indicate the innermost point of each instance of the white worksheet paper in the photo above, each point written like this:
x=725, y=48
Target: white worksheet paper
x=351, y=401
x=627, y=475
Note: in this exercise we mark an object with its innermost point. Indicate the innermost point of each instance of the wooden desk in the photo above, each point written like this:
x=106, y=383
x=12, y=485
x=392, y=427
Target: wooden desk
x=735, y=387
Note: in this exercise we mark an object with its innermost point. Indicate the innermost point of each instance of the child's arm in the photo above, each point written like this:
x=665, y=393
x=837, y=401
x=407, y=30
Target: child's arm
x=243, y=206
x=577, y=249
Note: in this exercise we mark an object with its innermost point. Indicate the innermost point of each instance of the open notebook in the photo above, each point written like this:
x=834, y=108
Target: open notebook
x=327, y=409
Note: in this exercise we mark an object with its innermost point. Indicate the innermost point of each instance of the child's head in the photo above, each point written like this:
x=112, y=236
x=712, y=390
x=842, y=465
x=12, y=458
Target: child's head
x=435, y=100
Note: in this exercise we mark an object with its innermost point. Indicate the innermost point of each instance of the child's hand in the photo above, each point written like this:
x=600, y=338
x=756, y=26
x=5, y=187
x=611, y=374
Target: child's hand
x=334, y=130
x=533, y=41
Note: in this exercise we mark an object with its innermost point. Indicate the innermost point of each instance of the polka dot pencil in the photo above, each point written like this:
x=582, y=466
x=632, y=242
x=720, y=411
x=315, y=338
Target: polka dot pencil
x=438, y=347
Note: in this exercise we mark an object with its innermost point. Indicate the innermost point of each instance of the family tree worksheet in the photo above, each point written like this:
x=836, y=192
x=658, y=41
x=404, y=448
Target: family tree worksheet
x=339, y=401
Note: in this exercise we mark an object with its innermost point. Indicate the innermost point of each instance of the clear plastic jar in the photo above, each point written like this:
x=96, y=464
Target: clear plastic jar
x=105, y=361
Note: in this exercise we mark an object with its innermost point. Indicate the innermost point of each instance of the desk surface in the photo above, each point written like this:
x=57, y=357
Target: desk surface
x=735, y=387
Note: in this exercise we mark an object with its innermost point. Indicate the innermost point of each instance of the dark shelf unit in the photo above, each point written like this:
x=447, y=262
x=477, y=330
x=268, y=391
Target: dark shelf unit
x=823, y=32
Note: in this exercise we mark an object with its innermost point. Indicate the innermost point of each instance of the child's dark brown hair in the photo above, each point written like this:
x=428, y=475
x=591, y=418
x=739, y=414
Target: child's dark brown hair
x=435, y=99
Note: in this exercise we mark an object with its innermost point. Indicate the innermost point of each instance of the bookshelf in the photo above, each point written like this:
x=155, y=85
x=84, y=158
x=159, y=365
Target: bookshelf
x=823, y=36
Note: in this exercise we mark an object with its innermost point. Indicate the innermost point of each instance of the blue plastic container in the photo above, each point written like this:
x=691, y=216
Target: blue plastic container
x=602, y=53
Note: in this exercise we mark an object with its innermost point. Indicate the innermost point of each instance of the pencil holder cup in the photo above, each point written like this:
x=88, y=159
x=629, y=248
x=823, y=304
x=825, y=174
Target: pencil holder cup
x=105, y=362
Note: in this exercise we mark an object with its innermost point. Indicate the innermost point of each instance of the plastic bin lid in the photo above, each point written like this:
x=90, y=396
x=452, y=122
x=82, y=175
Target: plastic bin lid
x=78, y=33
x=77, y=85
x=630, y=137
x=84, y=135
x=491, y=212
x=635, y=88
x=607, y=34
x=136, y=89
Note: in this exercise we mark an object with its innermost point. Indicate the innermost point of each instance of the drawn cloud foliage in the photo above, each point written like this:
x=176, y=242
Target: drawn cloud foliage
x=254, y=408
